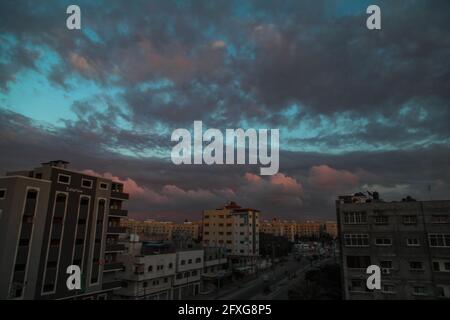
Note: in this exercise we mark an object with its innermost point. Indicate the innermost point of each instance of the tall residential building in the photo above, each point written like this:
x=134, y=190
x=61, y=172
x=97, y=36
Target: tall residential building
x=236, y=229
x=52, y=217
x=408, y=240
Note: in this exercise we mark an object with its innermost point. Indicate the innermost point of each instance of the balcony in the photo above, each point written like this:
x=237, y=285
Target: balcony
x=118, y=212
x=119, y=195
x=113, y=266
x=117, y=230
x=114, y=247
x=112, y=285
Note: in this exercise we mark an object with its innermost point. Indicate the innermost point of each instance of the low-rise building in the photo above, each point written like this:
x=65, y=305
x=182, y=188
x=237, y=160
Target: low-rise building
x=150, y=269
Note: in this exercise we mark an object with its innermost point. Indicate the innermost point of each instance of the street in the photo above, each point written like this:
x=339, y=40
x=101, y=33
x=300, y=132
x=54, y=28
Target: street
x=254, y=289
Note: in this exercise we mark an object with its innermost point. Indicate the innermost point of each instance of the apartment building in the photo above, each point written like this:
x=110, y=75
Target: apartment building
x=52, y=217
x=408, y=240
x=236, y=229
x=150, y=269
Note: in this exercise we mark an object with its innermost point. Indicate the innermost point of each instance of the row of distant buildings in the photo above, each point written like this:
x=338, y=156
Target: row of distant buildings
x=294, y=230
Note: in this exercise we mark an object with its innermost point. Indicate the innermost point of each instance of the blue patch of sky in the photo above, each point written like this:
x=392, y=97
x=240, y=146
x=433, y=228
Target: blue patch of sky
x=92, y=35
x=33, y=95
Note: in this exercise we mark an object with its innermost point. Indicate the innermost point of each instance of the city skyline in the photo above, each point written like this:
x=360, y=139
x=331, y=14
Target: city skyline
x=357, y=109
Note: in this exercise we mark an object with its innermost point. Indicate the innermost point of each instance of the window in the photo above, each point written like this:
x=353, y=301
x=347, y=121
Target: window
x=381, y=219
x=170, y=265
x=102, y=296
x=85, y=183
x=386, y=264
x=144, y=284
x=357, y=285
x=409, y=219
x=150, y=268
x=358, y=262
x=63, y=179
x=356, y=240
x=19, y=267
x=24, y=242
x=194, y=273
x=436, y=266
x=388, y=288
x=2, y=194
x=443, y=266
x=419, y=290
x=439, y=240
x=179, y=276
x=383, y=241
x=183, y=262
x=103, y=186
x=416, y=266
x=412, y=242
x=355, y=217
x=198, y=260
x=439, y=219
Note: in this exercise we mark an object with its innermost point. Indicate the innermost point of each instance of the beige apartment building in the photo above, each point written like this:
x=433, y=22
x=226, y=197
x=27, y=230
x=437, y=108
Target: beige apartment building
x=236, y=229
x=408, y=240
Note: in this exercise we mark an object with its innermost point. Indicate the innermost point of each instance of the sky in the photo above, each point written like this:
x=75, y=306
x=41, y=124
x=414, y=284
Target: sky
x=357, y=109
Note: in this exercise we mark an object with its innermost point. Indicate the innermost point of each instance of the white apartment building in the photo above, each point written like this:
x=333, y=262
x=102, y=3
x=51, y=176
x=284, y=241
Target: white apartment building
x=149, y=271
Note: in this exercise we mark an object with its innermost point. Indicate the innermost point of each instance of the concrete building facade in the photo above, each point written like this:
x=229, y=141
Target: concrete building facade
x=52, y=217
x=409, y=241
x=236, y=229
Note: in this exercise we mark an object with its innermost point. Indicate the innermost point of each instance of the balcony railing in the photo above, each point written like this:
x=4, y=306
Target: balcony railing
x=116, y=284
x=113, y=266
x=118, y=212
x=117, y=230
x=114, y=247
x=120, y=195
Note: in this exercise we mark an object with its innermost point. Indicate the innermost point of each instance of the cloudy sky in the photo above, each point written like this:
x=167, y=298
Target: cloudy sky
x=357, y=109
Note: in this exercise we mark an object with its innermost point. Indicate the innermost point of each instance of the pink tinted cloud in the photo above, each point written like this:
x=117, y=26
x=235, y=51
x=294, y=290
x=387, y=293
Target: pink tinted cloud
x=326, y=177
x=250, y=177
x=286, y=182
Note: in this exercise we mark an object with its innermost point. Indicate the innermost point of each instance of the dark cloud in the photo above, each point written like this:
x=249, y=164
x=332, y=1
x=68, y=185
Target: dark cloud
x=377, y=102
